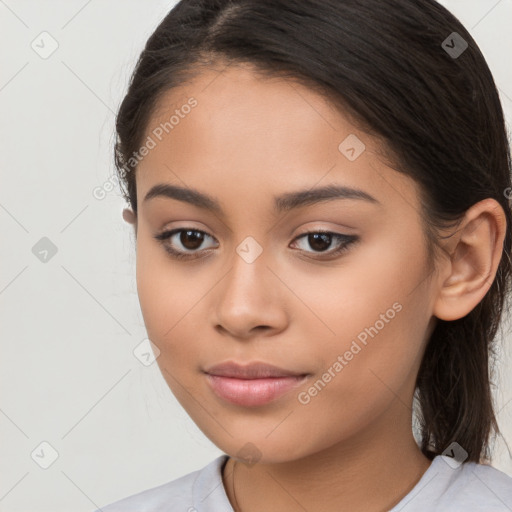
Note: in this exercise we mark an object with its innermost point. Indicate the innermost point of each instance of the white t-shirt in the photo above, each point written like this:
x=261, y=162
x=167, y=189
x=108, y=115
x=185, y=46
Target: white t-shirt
x=445, y=487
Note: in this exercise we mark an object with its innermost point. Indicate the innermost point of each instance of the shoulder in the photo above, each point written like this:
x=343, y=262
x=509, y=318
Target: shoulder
x=185, y=493
x=488, y=488
x=451, y=487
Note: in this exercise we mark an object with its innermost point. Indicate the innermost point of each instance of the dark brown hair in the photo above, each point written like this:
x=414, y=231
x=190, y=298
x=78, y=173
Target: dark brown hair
x=389, y=66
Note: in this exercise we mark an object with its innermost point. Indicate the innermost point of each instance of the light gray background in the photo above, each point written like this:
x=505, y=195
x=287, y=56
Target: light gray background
x=69, y=326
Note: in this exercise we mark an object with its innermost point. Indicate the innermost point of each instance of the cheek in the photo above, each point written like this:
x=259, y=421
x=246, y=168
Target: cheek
x=167, y=303
x=366, y=295
x=372, y=329
x=167, y=308
x=167, y=292
x=370, y=351
x=358, y=382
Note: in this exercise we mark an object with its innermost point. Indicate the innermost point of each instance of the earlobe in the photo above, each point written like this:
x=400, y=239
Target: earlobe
x=130, y=217
x=473, y=262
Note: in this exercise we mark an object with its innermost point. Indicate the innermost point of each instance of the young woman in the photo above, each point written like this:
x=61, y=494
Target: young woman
x=320, y=196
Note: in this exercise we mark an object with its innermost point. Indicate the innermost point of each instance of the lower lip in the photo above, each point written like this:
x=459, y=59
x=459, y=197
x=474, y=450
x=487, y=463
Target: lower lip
x=253, y=392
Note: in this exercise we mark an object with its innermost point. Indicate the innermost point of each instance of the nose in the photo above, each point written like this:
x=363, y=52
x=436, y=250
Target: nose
x=250, y=299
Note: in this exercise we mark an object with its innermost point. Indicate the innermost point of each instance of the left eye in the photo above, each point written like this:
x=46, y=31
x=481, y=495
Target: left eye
x=321, y=239
x=191, y=240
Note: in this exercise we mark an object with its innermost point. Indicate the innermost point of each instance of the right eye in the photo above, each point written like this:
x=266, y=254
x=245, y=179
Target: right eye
x=190, y=238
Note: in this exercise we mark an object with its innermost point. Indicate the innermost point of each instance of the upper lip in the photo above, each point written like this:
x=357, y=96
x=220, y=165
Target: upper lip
x=254, y=370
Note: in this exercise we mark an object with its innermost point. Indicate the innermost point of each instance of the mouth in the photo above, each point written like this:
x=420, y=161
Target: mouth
x=254, y=370
x=252, y=385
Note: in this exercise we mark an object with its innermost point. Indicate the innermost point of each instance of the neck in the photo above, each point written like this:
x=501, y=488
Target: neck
x=371, y=472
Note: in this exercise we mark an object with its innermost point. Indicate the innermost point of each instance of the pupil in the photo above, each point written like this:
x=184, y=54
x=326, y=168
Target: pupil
x=188, y=238
x=324, y=239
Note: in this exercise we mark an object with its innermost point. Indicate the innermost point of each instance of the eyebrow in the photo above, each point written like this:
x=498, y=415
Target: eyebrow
x=282, y=203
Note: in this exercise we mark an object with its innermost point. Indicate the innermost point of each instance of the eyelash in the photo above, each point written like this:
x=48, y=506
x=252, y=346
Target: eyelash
x=344, y=240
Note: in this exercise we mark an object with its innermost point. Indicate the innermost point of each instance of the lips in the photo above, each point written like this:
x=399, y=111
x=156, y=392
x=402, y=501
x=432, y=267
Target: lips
x=252, y=385
x=255, y=370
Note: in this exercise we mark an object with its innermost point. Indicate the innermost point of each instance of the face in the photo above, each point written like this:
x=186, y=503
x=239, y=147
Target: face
x=259, y=282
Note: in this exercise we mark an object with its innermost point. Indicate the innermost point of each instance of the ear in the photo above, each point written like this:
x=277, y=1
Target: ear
x=473, y=255
x=130, y=217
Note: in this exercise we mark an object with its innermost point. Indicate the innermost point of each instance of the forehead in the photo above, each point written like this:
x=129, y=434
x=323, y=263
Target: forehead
x=237, y=102
x=245, y=130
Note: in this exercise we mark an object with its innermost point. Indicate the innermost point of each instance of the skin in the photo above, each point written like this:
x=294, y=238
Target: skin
x=248, y=139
